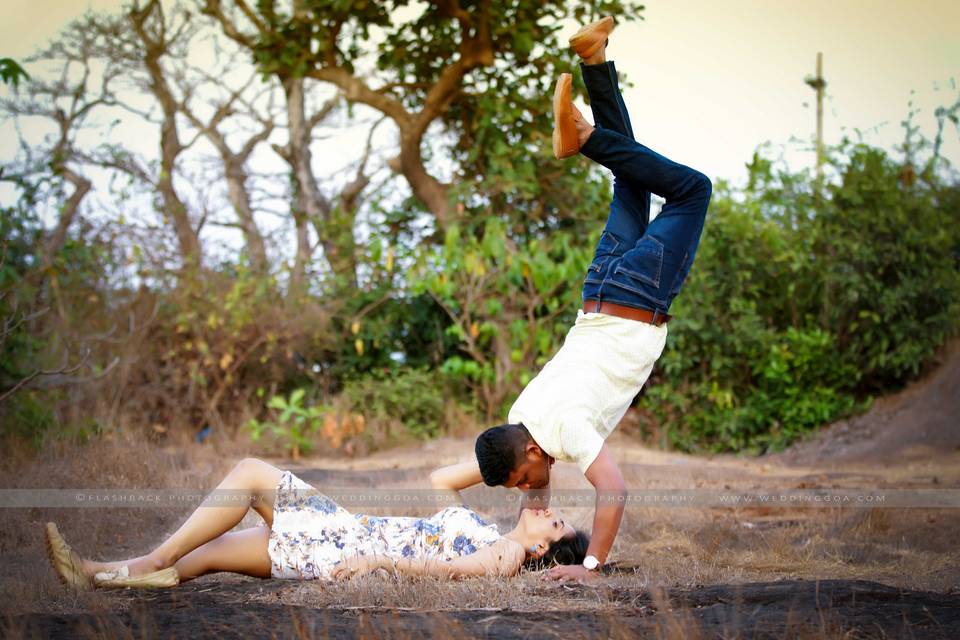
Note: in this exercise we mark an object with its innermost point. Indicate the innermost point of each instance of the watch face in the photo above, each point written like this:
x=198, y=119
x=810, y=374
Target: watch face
x=590, y=563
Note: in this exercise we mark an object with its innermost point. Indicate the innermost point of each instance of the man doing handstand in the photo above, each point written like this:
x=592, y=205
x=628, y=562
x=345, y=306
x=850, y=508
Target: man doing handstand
x=567, y=411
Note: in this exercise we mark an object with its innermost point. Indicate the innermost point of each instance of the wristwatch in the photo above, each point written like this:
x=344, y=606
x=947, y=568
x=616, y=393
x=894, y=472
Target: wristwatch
x=590, y=563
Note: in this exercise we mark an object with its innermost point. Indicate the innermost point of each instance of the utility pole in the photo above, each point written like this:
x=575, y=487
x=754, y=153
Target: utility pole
x=818, y=84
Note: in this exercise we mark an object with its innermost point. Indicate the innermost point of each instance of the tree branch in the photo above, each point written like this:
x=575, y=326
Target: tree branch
x=63, y=369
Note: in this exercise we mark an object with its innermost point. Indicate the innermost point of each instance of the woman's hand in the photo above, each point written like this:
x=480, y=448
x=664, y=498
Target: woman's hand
x=358, y=566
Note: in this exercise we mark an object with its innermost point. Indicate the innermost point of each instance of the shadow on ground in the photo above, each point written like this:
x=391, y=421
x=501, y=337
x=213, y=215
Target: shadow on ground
x=831, y=608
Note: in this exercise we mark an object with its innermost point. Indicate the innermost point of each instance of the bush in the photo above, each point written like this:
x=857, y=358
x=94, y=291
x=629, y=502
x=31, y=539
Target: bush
x=509, y=301
x=800, y=305
x=889, y=282
x=412, y=399
x=54, y=325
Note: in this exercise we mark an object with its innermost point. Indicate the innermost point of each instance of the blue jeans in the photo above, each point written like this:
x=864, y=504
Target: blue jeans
x=639, y=263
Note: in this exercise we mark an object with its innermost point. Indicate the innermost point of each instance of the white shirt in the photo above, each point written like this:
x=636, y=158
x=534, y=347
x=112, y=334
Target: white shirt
x=579, y=397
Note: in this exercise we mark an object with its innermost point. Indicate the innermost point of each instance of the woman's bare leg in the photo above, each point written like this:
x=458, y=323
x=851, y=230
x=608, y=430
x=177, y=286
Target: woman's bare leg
x=236, y=551
x=250, y=484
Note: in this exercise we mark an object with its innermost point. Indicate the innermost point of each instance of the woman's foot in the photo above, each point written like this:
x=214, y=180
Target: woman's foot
x=121, y=578
x=590, y=42
x=70, y=567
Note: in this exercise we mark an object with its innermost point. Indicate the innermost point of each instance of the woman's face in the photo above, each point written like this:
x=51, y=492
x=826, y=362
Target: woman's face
x=546, y=526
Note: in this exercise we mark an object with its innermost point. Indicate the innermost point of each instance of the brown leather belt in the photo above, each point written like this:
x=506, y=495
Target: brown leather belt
x=630, y=313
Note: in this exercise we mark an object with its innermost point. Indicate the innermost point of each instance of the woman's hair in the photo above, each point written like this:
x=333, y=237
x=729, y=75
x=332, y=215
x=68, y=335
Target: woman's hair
x=563, y=551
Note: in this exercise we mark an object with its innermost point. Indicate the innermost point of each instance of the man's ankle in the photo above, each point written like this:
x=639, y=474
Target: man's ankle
x=584, y=132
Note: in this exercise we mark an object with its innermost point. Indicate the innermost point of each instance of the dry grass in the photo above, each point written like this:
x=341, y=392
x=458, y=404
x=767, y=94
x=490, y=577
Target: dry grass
x=666, y=548
x=28, y=583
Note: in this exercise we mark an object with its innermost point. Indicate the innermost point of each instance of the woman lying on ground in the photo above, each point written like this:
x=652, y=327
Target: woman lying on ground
x=308, y=536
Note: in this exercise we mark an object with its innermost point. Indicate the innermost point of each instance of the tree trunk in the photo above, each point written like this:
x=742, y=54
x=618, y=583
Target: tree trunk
x=236, y=178
x=433, y=193
x=298, y=285
x=174, y=208
x=54, y=242
x=336, y=239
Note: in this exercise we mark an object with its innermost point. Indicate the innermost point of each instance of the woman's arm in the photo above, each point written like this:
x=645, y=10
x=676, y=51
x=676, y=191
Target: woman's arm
x=503, y=558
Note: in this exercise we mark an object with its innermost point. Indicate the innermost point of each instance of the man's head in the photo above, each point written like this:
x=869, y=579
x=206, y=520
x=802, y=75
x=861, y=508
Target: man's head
x=509, y=457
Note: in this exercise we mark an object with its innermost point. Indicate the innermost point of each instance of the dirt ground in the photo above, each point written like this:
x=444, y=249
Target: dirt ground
x=752, y=571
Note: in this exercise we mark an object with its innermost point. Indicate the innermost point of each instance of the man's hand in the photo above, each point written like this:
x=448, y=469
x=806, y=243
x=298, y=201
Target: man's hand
x=570, y=572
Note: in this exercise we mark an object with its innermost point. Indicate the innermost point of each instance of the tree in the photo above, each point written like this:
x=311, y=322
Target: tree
x=159, y=38
x=48, y=172
x=468, y=66
x=68, y=101
x=235, y=172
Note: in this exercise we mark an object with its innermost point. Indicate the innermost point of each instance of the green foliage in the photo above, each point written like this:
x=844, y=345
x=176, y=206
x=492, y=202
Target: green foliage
x=294, y=424
x=12, y=73
x=31, y=417
x=380, y=328
x=19, y=345
x=414, y=398
x=800, y=305
x=40, y=304
x=496, y=118
x=510, y=303
x=890, y=291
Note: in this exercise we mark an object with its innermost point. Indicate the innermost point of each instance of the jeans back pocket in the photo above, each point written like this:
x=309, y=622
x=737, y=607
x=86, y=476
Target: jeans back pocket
x=644, y=262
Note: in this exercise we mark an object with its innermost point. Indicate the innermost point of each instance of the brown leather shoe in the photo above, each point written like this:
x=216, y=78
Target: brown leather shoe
x=588, y=40
x=565, y=142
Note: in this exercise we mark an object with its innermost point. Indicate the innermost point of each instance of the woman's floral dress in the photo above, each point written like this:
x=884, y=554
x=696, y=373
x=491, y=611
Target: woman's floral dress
x=311, y=533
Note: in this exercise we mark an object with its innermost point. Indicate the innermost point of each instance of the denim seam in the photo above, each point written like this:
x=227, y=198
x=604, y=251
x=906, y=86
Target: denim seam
x=611, y=74
x=616, y=243
x=678, y=276
x=599, y=262
x=636, y=275
x=602, y=259
x=646, y=294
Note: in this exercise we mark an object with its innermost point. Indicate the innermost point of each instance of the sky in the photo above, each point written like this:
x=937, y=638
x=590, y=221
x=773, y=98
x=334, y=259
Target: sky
x=713, y=80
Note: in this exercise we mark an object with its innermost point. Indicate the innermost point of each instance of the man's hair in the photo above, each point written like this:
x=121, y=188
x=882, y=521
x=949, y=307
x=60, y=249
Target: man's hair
x=499, y=451
x=563, y=551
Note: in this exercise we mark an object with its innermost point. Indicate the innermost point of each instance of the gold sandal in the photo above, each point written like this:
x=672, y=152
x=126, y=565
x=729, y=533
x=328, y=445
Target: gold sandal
x=121, y=578
x=66, y=562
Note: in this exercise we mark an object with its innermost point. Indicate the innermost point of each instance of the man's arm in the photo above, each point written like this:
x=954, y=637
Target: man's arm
x=604, y=475
x=456, y=477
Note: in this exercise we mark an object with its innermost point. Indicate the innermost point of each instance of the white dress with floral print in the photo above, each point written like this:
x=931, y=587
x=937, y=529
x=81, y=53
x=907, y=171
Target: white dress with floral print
x=311, y=533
